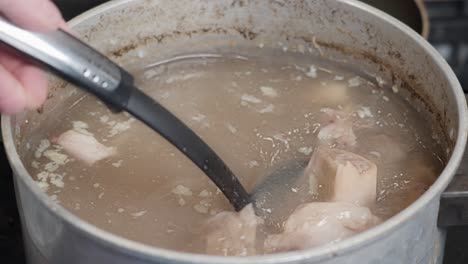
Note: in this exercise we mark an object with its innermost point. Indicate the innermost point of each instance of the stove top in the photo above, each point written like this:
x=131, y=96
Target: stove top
x=448, y=21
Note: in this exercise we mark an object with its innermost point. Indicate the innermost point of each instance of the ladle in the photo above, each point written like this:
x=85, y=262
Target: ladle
x=83, y=66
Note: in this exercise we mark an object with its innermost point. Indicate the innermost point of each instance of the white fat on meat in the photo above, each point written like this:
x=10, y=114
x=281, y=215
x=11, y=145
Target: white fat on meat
x=343, y=176
x=232, y=233
x=336, y=129
x=315, y=224
x=339, y=132
x=84, y=147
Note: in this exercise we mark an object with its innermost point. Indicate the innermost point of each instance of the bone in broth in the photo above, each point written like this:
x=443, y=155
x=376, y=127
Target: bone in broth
x=370, y=154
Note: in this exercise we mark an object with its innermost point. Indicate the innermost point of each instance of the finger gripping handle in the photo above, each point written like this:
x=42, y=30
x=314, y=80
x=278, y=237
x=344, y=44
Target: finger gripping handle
x=73, y=60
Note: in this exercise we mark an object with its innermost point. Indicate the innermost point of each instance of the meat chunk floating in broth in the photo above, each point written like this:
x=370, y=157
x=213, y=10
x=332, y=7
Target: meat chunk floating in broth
x=84, y=147
x=350, y=182
x=316, y=224
x=337, y=130
x=233, y=234
x=345, y=176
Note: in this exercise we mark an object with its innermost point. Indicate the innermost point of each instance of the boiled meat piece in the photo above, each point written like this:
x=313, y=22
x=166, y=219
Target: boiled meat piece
x=336, y=129
x=344, y=176
x=232, y=234
x=316, y=224
x=339, y=132
x=84, y=146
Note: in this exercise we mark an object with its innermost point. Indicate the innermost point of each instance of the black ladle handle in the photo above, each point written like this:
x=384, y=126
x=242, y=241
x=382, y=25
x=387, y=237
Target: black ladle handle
x=83, y=66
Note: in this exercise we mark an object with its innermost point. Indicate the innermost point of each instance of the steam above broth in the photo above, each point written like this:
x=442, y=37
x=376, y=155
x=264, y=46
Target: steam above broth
x=257, y=113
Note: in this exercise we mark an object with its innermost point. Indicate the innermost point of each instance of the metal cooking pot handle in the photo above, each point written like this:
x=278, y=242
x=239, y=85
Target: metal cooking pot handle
x=73, y=60
x=411, y=12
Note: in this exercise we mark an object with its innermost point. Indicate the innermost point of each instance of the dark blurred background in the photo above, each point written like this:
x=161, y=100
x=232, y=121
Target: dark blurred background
x=446, y=27
x=449, y=34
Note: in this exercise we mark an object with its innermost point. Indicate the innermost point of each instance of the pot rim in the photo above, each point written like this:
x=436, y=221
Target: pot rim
x=146, y=252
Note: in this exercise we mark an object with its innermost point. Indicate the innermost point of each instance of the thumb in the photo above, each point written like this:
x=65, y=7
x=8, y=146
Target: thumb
x=12, y=95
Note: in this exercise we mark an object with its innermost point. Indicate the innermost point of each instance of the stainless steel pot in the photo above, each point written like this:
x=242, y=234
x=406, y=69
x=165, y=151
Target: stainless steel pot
x=336, y=29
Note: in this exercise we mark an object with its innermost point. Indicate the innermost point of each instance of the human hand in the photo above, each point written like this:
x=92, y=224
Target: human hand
x=23, y=85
